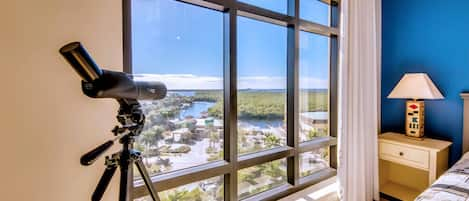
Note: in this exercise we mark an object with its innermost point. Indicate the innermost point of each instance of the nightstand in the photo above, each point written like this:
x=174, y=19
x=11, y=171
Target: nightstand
x=408, y=166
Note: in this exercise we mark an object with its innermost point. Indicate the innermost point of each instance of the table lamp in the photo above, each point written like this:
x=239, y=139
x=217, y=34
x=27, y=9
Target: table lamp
x=415, y=86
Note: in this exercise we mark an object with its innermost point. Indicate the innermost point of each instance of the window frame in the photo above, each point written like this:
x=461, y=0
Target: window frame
x=231, y=163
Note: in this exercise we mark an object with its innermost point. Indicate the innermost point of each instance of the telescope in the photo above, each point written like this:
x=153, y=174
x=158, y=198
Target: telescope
x=98, y=83
x=126, y=89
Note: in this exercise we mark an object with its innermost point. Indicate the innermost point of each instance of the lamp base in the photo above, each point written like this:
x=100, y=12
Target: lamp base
x=415, y=115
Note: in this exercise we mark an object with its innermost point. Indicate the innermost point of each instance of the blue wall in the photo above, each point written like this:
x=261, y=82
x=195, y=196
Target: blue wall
x=429, y=36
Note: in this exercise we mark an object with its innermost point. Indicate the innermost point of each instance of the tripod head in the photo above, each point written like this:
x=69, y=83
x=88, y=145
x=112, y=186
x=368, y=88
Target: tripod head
x=132, y=120
x=131, y=116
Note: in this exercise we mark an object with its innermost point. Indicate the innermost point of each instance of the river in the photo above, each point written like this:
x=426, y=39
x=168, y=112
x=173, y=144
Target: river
x=195, y=109
x=199, y=107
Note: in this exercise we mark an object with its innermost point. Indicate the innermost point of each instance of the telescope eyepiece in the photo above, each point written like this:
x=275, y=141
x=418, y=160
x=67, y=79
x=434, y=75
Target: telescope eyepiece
x=81, y=61
x=70, y=47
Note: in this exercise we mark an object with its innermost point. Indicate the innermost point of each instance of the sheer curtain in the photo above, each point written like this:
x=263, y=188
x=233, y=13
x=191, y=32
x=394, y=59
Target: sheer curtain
x=359, y=102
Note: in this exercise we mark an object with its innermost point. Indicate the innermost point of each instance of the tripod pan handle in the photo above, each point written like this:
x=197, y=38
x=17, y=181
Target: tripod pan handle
x=90, y=157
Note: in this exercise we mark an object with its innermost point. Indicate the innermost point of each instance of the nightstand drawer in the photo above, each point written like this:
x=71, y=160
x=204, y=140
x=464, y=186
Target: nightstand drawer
x=404, y=155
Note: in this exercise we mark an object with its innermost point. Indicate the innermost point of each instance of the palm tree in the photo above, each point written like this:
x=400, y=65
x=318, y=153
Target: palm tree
x=273, y=170
x=177, y=195
x=313, y=133
x=271, y=141
x=150, y=137
x=214, y=137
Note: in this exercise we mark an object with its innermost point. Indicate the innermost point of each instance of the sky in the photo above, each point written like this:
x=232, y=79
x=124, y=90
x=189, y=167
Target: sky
x=182, y=46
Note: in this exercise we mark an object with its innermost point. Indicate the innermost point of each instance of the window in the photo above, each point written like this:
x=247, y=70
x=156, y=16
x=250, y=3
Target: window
x=314, y=161
x=262, y=82
x=315, y=11
x=186, y=128
x=209, y=189
x=261, y=177
x=314, y=86
x=274, y=5
x=251, y=103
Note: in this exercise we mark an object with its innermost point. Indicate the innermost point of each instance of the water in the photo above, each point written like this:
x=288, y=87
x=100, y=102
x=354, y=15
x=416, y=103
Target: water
x=199, y=107
x=195, y=109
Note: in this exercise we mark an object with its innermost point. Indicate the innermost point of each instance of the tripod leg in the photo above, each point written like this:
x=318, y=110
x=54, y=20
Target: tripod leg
x=147, y=180
x=126, y=183
x=103, y=183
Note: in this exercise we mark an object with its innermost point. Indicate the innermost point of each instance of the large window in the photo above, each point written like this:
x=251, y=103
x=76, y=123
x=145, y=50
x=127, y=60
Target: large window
x=181, y=45
x=314, y=86
x=251, y=107
x=262, y=82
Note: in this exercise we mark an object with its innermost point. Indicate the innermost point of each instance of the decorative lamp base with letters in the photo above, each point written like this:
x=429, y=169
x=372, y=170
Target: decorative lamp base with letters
x=415, y=115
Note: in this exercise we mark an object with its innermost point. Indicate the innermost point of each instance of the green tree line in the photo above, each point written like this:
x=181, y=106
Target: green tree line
x=264, y=104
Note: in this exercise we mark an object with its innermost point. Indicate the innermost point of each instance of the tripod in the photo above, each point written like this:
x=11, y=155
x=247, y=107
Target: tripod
x=132, y=120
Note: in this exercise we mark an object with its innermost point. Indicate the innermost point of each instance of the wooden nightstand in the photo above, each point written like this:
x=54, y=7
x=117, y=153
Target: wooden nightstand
x=408, y=166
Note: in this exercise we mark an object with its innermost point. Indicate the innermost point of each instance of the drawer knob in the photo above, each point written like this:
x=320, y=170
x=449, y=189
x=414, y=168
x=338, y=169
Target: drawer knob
x=401, y=153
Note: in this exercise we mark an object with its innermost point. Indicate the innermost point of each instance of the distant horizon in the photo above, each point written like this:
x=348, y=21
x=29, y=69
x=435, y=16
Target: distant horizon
x=187, y=90
x=194, y=82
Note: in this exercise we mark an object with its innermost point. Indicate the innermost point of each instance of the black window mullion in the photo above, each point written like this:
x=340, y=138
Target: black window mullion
x=333, y=83
x=292, y=91
x=230, y=104
x=127, y=35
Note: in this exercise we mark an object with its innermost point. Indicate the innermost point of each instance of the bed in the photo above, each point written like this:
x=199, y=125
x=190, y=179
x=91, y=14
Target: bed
x=453, y=185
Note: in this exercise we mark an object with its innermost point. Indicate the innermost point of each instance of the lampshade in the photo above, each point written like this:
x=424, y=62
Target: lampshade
x=415, y=86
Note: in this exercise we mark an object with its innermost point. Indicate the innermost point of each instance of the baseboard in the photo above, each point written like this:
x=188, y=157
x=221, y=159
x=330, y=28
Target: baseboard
x=388, y=197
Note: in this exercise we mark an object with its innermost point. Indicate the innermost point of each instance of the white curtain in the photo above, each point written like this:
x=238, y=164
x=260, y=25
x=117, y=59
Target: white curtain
x=359, y=99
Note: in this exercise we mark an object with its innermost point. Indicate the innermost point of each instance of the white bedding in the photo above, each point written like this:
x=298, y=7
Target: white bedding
x=451, y=186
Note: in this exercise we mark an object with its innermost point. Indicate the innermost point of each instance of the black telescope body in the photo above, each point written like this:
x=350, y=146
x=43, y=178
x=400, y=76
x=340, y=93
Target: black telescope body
x=99, y=83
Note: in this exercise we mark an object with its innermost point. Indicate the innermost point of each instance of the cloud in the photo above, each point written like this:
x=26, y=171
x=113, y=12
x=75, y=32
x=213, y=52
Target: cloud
x=313, y=83
x=194, y=82
x=185, y=81
x=262, y=82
